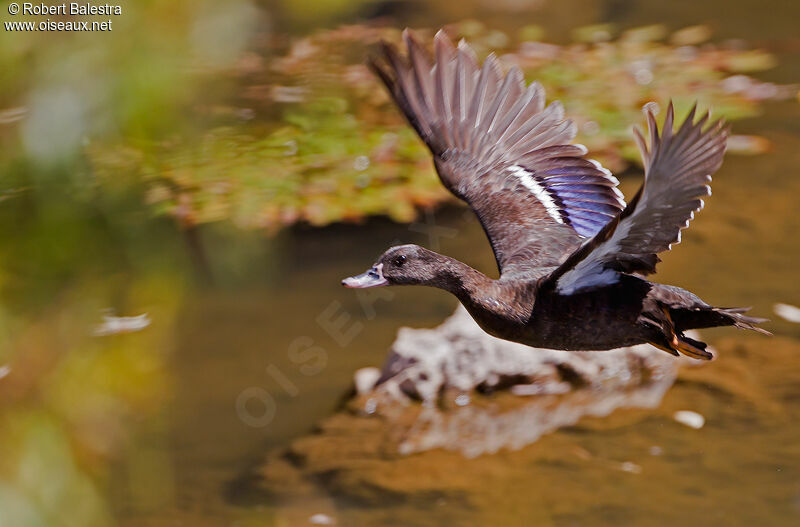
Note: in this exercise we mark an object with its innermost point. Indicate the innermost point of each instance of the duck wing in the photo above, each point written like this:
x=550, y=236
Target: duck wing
x=678, y=168
x=497, y=147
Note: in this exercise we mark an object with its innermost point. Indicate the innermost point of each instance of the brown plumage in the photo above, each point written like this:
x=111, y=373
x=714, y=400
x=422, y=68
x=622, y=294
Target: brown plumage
x=570, y=252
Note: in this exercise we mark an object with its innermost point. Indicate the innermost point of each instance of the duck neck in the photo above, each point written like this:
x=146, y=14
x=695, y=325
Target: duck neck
x=460, y=279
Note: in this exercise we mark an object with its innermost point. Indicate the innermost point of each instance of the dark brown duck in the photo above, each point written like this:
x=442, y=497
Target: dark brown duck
x=571, y=253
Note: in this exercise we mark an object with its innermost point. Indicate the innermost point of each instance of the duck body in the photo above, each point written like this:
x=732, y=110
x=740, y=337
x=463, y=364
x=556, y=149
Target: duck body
x=572, y=254
x=629, y=312
x=606, y=318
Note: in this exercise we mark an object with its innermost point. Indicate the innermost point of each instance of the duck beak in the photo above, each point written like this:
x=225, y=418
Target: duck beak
x=372, y=278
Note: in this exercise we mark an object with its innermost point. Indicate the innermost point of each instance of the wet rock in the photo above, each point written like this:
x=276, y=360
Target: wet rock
x=458, y=356
x=365, y=379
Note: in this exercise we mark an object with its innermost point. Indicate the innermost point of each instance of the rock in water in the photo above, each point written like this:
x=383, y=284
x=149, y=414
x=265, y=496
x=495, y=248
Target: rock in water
x=458, y=356
x=365, y=379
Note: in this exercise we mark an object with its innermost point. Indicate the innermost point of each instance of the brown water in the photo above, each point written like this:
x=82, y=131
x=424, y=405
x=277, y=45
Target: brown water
x=188, y=451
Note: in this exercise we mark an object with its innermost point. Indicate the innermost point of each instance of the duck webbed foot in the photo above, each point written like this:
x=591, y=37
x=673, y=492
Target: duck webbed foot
x=676, y=343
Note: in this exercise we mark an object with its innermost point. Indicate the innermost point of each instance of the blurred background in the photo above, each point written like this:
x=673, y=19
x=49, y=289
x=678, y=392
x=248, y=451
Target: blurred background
x=181, y=196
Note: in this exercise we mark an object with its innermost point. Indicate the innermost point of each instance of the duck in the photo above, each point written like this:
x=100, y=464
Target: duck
x=572, y=255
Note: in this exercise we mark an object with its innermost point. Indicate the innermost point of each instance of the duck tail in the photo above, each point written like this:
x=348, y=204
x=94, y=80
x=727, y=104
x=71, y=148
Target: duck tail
x=687, y=311
x=735, y=317
x=672, y=322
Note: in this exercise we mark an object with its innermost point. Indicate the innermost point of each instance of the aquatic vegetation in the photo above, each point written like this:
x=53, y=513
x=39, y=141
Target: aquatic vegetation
x=338, y=151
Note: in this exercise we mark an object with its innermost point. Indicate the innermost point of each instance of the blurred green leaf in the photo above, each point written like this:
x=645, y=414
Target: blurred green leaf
x=332, y=147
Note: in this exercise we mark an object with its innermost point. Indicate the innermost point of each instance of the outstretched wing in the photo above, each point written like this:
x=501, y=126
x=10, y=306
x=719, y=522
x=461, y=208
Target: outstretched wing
x=497, y=147
x=678, y=169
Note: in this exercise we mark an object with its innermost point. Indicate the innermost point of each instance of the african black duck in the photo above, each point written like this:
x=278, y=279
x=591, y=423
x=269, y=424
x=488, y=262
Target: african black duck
x=571, y=254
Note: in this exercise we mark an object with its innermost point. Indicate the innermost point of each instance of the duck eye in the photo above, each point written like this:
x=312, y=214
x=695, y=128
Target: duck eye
x=400, y=260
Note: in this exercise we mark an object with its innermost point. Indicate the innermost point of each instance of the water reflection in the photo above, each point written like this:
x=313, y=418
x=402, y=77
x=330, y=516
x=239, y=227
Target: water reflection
x=475, y=430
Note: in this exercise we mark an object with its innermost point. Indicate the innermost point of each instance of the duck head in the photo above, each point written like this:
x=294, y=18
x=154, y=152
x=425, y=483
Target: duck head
x=402, y=265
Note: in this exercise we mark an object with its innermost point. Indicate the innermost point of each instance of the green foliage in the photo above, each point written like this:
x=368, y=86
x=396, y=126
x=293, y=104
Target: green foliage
x=339, y=150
